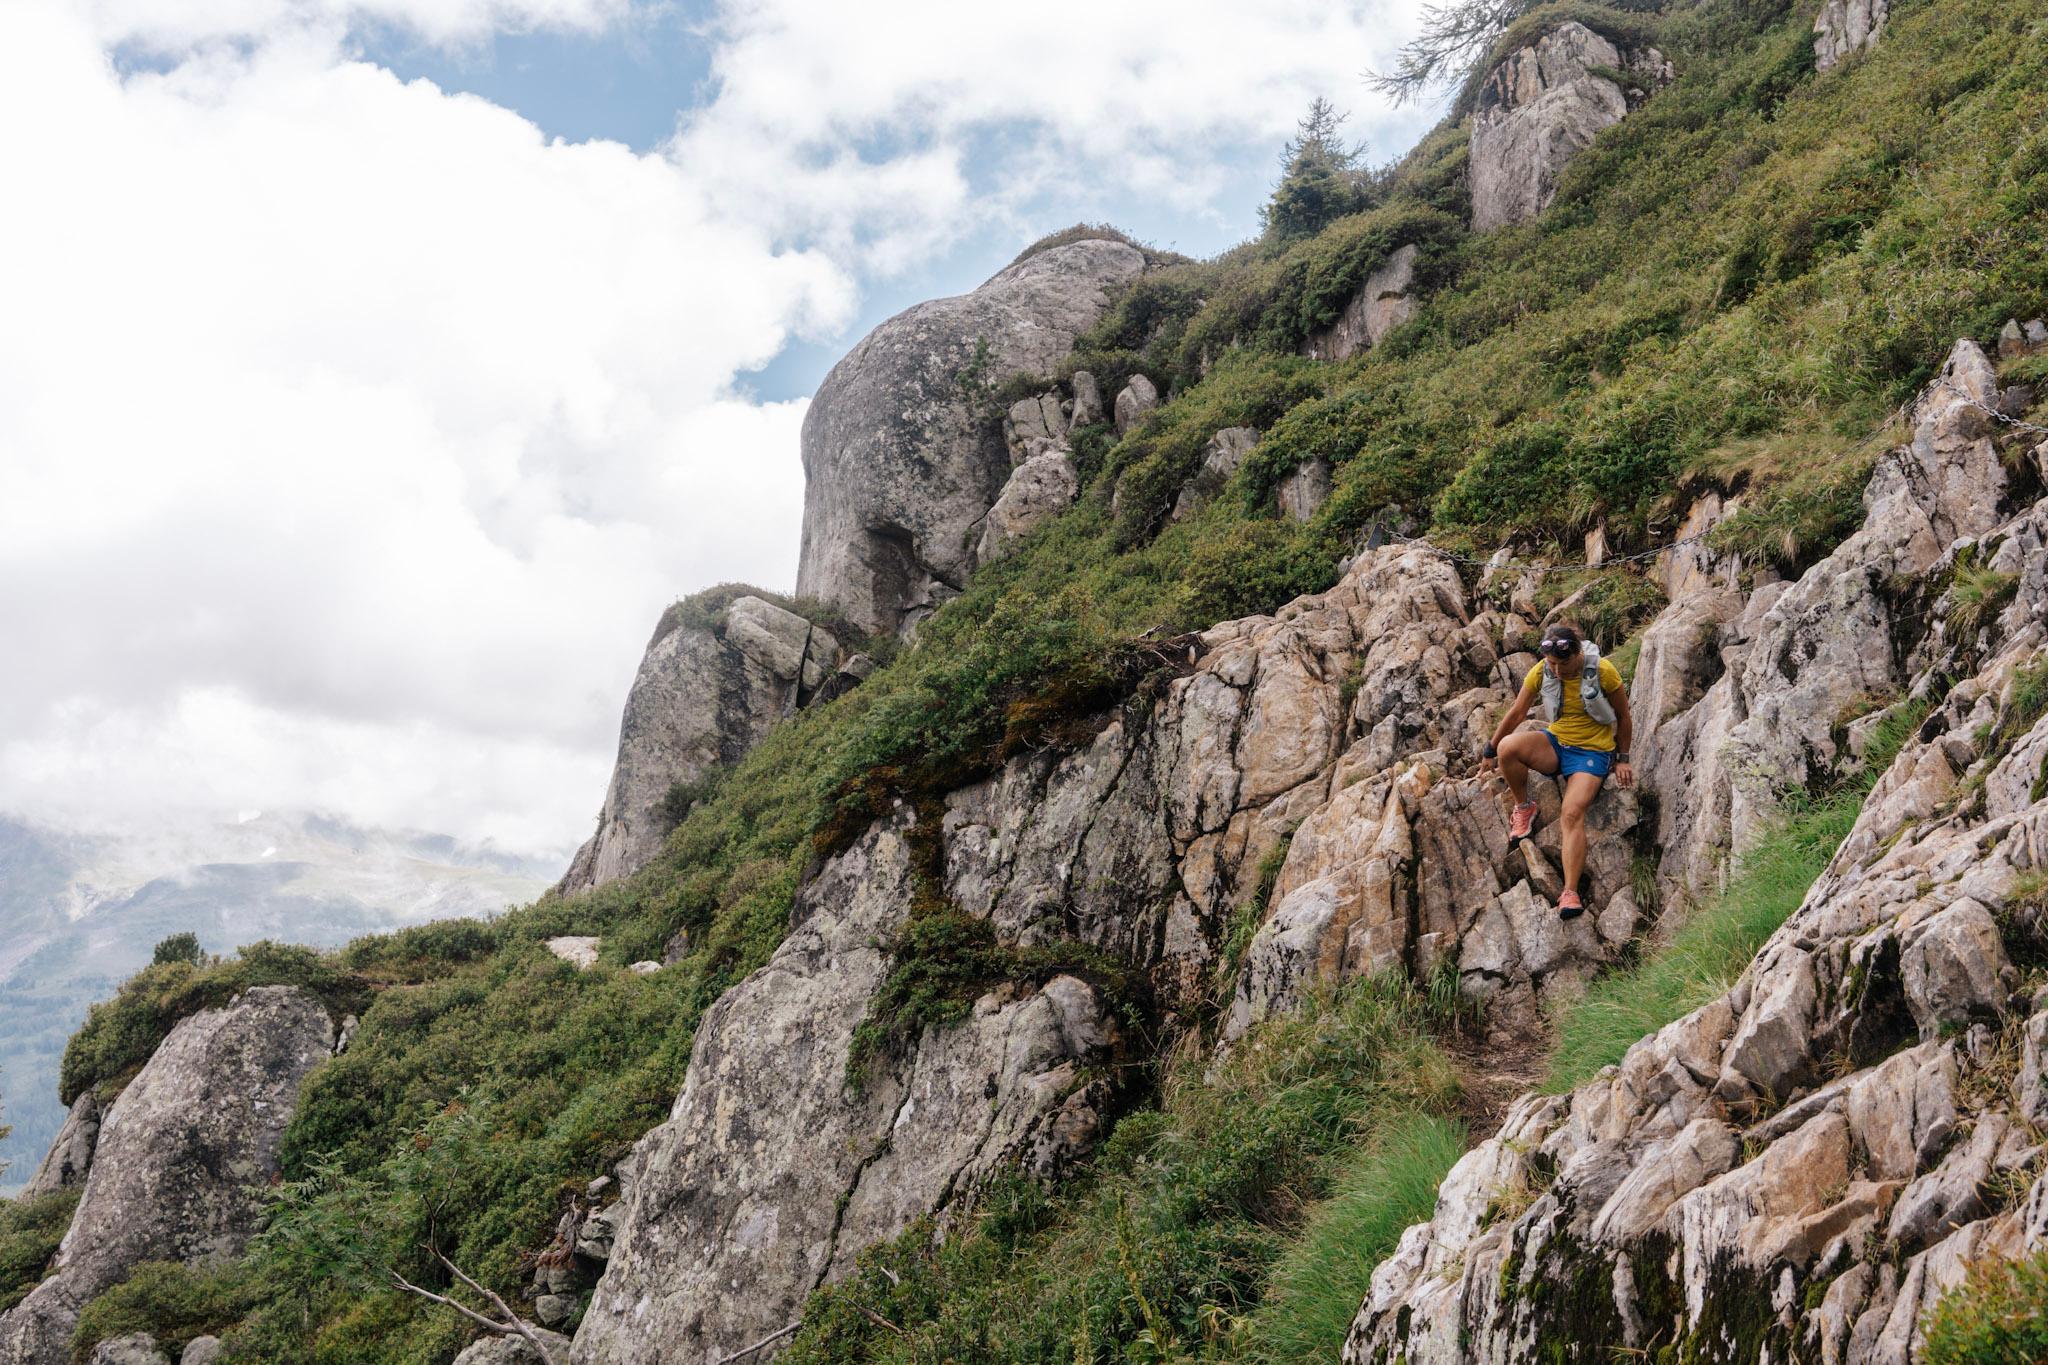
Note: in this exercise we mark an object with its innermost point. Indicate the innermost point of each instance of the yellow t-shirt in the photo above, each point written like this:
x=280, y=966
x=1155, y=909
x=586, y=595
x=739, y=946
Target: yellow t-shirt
x=1573, y=726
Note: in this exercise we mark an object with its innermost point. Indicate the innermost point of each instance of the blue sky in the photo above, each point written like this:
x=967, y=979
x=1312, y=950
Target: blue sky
x=391, y=364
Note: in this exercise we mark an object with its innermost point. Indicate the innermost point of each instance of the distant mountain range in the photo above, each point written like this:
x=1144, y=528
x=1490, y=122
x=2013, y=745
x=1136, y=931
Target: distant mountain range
x=79, y=913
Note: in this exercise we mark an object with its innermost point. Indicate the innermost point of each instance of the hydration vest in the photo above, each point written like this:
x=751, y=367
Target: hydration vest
x=1598, y=709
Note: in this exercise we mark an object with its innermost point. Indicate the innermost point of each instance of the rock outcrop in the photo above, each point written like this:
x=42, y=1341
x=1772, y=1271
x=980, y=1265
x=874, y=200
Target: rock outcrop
x=1133, y=401
x=1846, y=27
x=1225, y=452
x=704, y=695
x=773, y=1171
x=1798, y=1169
x=1142, y=842
x=1382, y=303
x=1302, y=494
x=1540, y=108
x=178, y=1158
x=70, y=1156
x=901, y=465
x=1039, y=489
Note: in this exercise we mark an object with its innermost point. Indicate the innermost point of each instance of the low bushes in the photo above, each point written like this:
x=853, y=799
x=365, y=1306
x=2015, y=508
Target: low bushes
x=29, y=1232
x=171, y=1301
x=119, y=1035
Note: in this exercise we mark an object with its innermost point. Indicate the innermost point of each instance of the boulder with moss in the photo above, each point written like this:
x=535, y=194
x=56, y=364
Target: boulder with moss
x=181, y=1159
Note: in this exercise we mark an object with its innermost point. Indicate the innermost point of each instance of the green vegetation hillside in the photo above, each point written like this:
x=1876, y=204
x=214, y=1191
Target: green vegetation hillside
x=1734, y=290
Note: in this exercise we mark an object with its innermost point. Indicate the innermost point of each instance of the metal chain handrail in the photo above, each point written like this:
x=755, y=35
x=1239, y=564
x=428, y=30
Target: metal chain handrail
x=1989, y=411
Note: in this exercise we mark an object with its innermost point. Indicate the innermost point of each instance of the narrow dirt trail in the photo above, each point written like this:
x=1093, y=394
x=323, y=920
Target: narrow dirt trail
x=1496, y=1067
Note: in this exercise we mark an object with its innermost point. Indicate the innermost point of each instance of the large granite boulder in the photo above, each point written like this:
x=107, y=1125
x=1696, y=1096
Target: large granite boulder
x=1541, y=107
x=704, y=695
x=901, y=461
x=180, y=1158
x=1845, y=27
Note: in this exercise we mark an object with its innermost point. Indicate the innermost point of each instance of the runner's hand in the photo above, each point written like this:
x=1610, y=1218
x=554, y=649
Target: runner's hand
x=1624, y=775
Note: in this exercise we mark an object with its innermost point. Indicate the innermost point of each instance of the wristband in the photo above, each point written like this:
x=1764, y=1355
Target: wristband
x=1621, y=756
x=1489, y=751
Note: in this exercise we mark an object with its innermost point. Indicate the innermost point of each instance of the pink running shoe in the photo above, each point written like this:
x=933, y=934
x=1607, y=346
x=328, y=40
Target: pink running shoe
x=1524, y=820
x=1569, y=906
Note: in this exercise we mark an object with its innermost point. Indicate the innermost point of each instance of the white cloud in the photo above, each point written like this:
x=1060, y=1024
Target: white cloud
x=370, y=406
x=176, y=25
x=1154, y=98
x=353, y=433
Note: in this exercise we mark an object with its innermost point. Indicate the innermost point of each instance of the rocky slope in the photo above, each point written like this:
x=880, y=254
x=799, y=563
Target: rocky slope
x=1798, y=1169
x=900, y=465
x=180, y=1158
x=979, y=975
x=1345, y=723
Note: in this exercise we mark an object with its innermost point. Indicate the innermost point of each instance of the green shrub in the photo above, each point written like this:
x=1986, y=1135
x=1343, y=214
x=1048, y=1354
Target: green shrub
x=1998, y=1315
x=29, y=1232
x=119, y=1035
x=171, y=1301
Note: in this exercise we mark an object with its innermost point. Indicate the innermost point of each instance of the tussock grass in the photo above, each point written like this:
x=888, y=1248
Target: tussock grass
x=1316, y=1286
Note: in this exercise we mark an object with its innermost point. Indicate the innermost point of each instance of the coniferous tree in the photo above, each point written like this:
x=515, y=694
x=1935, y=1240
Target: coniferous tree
x=1321, y=179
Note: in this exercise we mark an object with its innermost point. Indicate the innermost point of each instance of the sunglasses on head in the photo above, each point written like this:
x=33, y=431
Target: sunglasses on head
x=1559, y=647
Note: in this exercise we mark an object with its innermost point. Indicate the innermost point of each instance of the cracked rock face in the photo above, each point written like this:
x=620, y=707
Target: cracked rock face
x=900, y=466
x=701, y=699
x=177, y=1157
x=1539, y=109
x=1799, y=1169
x=1845, y=27
x=771, y=1174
